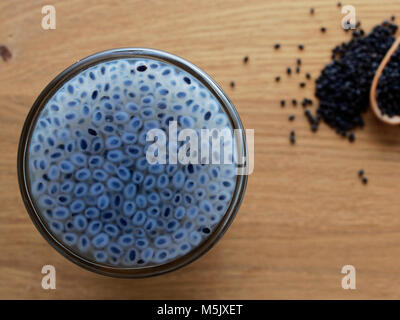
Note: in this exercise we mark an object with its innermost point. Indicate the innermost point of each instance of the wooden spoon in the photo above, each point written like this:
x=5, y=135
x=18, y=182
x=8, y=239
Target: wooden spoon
x=395, y=120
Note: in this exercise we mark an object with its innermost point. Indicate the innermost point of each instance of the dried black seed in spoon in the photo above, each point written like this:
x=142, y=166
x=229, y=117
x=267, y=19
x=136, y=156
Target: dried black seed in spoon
x=343, y=85
x=388, y=90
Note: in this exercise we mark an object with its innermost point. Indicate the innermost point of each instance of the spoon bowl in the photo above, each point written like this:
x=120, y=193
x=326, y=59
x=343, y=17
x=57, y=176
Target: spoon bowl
x=373, y=94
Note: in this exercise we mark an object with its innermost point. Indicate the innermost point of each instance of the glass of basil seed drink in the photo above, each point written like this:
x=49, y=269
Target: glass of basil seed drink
x=128, y=162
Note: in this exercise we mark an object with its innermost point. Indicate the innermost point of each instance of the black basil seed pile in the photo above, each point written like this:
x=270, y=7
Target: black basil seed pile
x=388, y=91
x=344, y=84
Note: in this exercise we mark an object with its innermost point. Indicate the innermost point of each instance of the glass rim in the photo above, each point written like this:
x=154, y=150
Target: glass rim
x=28, y=128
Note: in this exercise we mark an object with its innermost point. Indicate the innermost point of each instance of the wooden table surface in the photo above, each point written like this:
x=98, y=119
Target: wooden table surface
x=305, y=213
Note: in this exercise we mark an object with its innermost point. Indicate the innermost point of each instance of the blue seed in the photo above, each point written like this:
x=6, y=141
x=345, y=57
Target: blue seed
x=123, y=173
x=46, y=202
x=82, y=174
x=139, y=218
x=80, y=222
x=179, y=212
x=101, y=240
x=108, y=216
x=92, y=213
x=153, y=211
x=115, y=250
x=141, y=201
x=142, y=243
x=96, y=189
x=81, y=189
x=67, y=186
x=79, y=159
x=162, y=242
x=66, y=166
x=129, y=208
x=178, y=179
x=103, y=202
x=153, y=198
x=137, y=177
x=100, y=175
x=94, y=227
x=111, y=230
x=61, y=213
x=53, y=173
x=115, y=155
x=115, y=184
x=77, y=206
x=166, y=194
x=113, y=142
x=147, y=254
x=84, y=243
x=69, y=238
x=129, y=138
x=179, y=235
x=150, y=224
x=57, y=227
x=130, y=190
x=100, y=256
x=126, y=240
x=95, y=161
x=63, y=199
x=192, y=212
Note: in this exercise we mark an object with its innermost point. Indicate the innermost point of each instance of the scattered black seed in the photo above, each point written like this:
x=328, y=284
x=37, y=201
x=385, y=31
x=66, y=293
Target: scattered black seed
x=232, y=84
x=312, y=10
x=393, y=18
x=352, y=137
x=302, y=84
x=309, y=117
x=277, y=46
x=297, y=69
x=344, y=84
x=314, y=127
x=308, y=76
x=323, y=29
x=283, y=103
x=301, y=46
x=278, y=78
x=292, y=137
x=5, y=53
x=360, y=172
x=291, y=117
x=246, y=59
x=298, y=61
x=388, y=90
x=294, y=102
x=364, y=180
x=289, y=71
x=339, y=4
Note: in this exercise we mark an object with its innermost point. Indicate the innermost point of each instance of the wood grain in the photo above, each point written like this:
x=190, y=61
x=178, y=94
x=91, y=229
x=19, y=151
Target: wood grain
x=305, y=213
